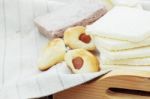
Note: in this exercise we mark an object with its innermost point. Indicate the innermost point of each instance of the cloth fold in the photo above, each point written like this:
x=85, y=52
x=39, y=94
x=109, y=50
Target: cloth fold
x=56, y=79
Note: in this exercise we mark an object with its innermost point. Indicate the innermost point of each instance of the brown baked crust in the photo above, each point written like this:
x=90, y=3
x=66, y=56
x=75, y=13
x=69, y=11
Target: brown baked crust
x=59, y=33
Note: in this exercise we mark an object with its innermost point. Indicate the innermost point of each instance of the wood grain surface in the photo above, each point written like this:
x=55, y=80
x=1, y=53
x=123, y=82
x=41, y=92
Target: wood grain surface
x=118, y=84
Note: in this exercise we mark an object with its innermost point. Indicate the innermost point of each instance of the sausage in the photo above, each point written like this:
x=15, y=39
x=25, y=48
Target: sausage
x=77, y=62
x=85, y=38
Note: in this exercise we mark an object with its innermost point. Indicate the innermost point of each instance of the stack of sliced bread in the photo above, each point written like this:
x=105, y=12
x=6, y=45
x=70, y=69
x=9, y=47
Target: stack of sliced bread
x=122, y=36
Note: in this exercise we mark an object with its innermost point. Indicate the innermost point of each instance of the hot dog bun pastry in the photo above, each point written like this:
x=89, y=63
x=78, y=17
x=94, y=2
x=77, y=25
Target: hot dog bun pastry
x=75, y=37
x=52, y=54
x=81, y=61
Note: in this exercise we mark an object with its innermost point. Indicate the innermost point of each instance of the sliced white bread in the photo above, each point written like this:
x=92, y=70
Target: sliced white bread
x=77, y=13
x=123, y=23
x=118, y=45
x=126, y=54
x=134, y=62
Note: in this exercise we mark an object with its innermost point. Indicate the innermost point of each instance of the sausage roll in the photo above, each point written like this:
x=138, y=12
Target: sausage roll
x=81, y=61
x=52, y=54
x=75, y=37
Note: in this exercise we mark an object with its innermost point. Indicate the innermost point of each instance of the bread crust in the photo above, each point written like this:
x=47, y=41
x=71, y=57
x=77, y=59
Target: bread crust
x=49, y=33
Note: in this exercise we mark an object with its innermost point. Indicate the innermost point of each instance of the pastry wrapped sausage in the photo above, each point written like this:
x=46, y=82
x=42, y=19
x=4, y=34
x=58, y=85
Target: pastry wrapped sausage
x=75, y=37
x=53, y=54
x=81, y=61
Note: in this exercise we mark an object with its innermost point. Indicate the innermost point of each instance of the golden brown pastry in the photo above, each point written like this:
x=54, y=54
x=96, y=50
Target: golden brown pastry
x=81, y=61
x=53, y=54
x=75, y=37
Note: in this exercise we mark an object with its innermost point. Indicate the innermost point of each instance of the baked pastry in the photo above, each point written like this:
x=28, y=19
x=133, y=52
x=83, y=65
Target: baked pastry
x=79, y=12
x=75, y=37
x=52, y=54
x=81, y=61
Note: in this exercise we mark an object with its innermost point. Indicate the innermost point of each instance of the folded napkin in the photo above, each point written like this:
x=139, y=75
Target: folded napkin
x=56, y=79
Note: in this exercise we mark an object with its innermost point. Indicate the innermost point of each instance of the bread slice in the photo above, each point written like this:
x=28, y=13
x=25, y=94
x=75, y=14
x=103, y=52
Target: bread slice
x=126, y=54
x=132, y=62
x=78, y=13
x=123, y=23
x=118, y=45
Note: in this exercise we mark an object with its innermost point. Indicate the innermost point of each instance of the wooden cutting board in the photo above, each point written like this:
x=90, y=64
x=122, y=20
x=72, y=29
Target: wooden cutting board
x=118, y=84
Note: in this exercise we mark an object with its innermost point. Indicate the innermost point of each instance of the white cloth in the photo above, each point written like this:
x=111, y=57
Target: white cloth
x=20, y=44
x=56, y=79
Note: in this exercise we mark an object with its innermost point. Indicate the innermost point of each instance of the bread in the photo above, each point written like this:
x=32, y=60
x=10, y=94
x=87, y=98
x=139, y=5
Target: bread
x=81, y=61
x=52, y=54
x=76, y=37
x=128, y=62
x=123, y=23
x=143, y=52
x=81, y=13
x=118, y=45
